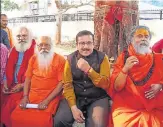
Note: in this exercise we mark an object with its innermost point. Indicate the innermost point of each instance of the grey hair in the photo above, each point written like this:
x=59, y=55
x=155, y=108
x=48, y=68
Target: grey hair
x=140, y=27
x=18, y=29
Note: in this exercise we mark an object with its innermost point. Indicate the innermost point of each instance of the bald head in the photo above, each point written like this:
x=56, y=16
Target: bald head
x=44, y=39
x=44, y=44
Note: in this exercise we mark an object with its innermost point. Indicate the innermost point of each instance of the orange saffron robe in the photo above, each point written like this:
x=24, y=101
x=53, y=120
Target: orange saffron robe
x=42, y=84
x=10, y=37
x=130, y=107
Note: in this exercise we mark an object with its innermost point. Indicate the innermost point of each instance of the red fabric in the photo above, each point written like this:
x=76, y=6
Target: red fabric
x=9, y=104
x=158, y=46
x=37, y=118
x=10, y=101
x=12, y=60
x=115, y=12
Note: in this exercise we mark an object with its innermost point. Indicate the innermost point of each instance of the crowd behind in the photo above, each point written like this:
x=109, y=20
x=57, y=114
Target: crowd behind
x=40, y=88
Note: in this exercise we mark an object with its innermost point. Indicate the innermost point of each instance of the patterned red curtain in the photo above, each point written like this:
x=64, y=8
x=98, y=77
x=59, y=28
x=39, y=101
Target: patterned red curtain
x=113, y=22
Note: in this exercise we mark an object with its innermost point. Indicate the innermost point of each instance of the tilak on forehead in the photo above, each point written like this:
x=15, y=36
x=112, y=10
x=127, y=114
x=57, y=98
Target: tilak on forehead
x=141, y=31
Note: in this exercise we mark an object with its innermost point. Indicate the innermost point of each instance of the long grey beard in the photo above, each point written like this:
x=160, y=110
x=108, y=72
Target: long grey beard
x=22, y=47
x=45, y=59
x=142, y=49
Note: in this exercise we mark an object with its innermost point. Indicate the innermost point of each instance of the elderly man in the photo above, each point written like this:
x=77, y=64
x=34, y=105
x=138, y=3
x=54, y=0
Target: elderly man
x=42, y=87
x=85, y=80
x=4, y=22
x=15, y=72
x=136, y=84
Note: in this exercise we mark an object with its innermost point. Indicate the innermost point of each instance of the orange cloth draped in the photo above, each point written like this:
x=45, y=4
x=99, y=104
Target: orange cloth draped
x=42, y=84
x=10, y=37
x=130, y=107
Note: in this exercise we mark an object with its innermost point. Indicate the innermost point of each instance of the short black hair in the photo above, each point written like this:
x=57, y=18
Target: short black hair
x=82, y=33
x=4, y=15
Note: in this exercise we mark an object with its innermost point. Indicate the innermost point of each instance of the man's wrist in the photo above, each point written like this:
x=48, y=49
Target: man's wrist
x=87, y=71
x=73, y=107
x=25, y=95
x=48, y=100
x=124, y=70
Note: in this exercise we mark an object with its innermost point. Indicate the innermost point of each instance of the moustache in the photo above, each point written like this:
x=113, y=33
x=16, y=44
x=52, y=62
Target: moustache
x=44, y=51
x=144, y=43
x=85, y=49
x=22, y=41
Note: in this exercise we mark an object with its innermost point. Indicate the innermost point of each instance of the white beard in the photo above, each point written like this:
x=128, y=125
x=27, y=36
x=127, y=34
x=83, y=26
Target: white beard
x=22, y=47
x=142, y=49
x=44, y=59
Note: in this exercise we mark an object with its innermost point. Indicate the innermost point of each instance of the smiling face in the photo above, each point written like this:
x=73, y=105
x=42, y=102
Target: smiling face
x=85, y=45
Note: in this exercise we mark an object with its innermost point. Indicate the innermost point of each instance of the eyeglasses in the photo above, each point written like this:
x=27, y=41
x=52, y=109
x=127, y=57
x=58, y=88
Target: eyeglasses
x=45, y=45
x=21, y=36
x=85, y=43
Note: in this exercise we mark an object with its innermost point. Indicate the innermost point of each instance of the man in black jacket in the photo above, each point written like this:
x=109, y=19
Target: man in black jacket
x=85, y=80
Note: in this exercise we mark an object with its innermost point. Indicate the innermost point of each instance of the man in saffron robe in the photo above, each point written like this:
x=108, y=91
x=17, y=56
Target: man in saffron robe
x=136, y=84
x=4, y=22
x=85, y=80
x=15, y=72
x=42, y=86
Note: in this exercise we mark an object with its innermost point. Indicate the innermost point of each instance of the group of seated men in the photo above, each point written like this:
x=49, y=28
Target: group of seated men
x=80, y=87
